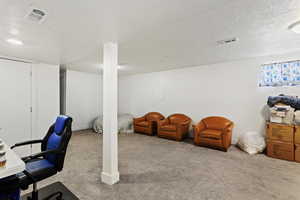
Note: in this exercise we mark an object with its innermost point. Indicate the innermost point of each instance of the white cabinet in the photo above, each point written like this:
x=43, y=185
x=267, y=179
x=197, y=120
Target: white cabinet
x=45, y=99
x=29, y=101
x=15, y=102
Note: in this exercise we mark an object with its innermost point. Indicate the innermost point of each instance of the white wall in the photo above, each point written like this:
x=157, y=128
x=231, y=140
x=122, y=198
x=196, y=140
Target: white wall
x=225, y=89
x=83, y=98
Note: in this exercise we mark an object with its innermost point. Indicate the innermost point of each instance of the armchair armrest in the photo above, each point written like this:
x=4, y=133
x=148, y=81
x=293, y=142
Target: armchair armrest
x=183, y=125
x=26, y=143
x=139, y=119
x=199, y=127
x=227, y=136
x=40, y=154
x=163, y=122
x=228, y=128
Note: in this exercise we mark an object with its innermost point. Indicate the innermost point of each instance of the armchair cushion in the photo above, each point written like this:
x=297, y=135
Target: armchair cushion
x=211, y=133
x=169, y=127
x=143, y=124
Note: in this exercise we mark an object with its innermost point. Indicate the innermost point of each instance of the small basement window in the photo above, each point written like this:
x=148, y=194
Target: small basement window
x=280, y=74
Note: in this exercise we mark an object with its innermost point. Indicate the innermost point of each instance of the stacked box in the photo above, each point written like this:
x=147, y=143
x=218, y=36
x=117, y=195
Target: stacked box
x=280, y=141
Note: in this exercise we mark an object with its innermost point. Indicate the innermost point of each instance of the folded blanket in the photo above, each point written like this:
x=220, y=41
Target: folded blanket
x=292, y=101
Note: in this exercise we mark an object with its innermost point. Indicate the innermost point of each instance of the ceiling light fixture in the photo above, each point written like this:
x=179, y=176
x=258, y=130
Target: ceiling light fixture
x=227, y=41
x=36, y=15
x=119, y=66
x=14, y=41
x=295, y=27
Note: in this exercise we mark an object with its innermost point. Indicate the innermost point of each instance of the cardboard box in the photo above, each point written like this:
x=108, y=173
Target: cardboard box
x=281, y=132
x=280, y=150
x=297, y=135
x=297, y=152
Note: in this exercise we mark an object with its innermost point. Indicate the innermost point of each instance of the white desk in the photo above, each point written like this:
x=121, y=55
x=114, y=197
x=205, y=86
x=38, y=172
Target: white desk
x=14, y=164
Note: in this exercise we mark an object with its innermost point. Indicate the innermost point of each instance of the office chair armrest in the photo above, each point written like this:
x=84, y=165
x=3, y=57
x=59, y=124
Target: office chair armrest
x=30, y=176
x=26, y=143
x=40, y=154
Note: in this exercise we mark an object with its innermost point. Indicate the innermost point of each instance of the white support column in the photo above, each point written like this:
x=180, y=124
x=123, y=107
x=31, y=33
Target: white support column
x=110, y=172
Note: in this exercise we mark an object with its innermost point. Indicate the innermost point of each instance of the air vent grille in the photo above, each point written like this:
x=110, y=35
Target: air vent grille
x=36, y=15
x=227, y=41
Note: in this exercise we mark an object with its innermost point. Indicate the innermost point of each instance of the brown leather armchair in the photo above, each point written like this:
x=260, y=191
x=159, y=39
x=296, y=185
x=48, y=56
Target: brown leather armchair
x=215, y=132
x=148, y=123
x=175, y=127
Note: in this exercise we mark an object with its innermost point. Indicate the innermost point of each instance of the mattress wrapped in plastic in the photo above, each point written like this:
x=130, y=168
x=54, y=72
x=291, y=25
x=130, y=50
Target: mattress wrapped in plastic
x=292, y=101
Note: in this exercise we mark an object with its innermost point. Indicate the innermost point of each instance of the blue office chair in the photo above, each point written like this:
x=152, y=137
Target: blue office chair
x=51, y=158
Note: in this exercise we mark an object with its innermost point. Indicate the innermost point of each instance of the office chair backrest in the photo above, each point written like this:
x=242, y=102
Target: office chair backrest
x=58, y=138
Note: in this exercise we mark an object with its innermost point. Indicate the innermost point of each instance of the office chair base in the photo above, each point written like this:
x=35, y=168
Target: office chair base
x=54, y=191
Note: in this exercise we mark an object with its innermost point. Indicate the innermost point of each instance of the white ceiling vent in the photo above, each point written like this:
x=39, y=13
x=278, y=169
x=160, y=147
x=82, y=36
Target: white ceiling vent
x=227, y=41
x=36, y=15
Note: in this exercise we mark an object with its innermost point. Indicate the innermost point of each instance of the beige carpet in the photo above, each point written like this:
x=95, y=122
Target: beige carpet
x=155, y=168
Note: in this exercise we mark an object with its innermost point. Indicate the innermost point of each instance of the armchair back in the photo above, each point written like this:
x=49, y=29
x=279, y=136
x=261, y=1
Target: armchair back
x=217, y=123
x=178, y=118
x=154, y=116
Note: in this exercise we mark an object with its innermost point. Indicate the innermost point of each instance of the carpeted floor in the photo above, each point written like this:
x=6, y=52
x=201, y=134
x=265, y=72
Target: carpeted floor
x=155, y=168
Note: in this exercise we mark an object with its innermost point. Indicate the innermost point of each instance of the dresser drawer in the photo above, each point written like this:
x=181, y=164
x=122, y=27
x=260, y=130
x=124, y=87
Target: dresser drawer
x=281, y=132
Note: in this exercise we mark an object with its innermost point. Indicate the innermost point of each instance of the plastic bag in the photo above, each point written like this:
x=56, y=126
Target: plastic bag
x=252, y=142
x=125, y=122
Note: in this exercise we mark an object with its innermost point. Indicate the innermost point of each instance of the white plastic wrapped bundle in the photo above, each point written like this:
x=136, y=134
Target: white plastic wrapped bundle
x=282, y=114
x=98, y=124
x=124, y=124
x=252, y=142
x=297, y=117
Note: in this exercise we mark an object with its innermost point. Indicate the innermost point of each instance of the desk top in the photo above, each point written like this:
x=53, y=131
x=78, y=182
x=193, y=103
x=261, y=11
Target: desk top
x=14, y=164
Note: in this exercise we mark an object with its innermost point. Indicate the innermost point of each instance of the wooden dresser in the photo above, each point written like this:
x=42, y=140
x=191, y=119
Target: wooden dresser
x=283, y=141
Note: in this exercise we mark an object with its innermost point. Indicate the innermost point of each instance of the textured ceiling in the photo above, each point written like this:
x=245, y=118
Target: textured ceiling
x=153, y=35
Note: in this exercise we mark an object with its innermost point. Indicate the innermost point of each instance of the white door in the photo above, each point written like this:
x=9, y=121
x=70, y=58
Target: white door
x=15, y=103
